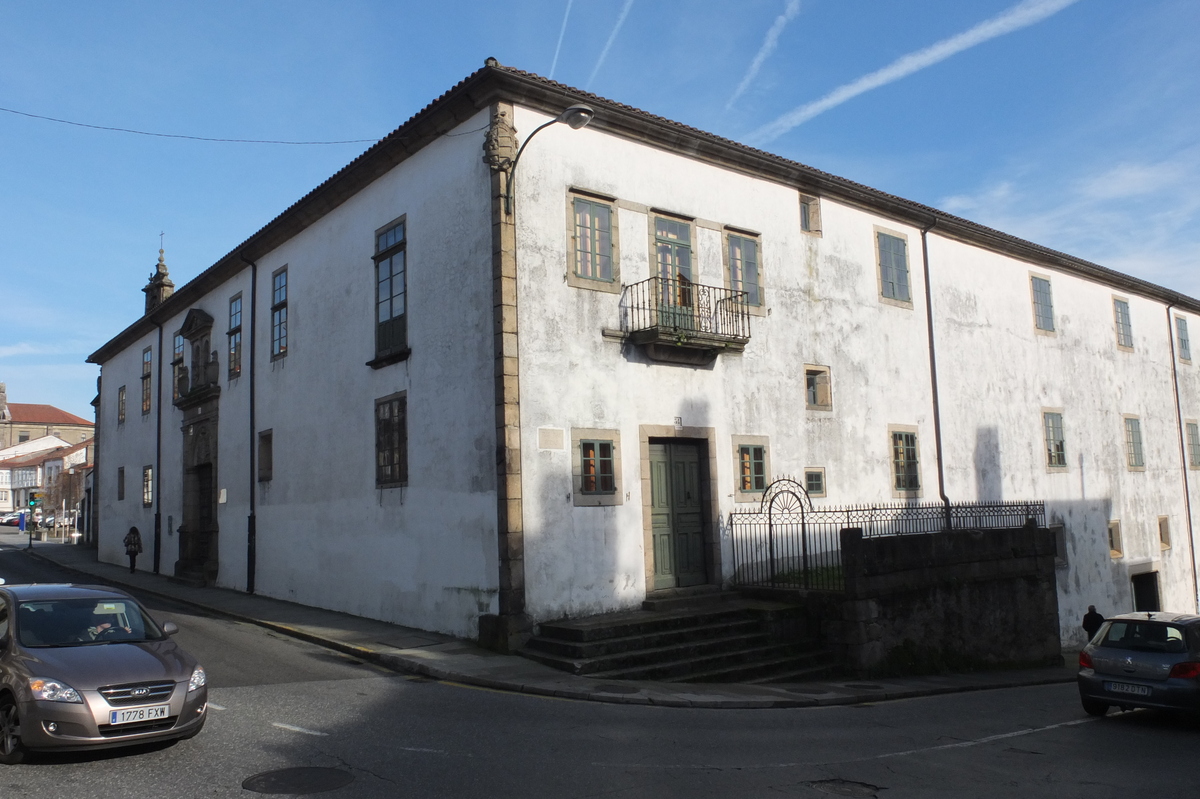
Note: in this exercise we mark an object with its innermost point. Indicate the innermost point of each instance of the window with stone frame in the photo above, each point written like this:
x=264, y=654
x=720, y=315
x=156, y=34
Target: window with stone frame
x=235, y=336
x=147, y=486
x=279, y=313
x=814, y=481
x=1124, y=325
x=1115, y=548
x=391, y=441
x=391, y=290
x=906, y=467
x=752, y=468
x=1056, y=448
x=1193, y=444
x=1135, y=458
x=597, y=461
x=147, y=383
x=177, y=348
x=1181, y=335
x=1043, y=303
x=894, y=281
x=742, y=261
x=810, y=214
x=818, y=394
x=593, y=238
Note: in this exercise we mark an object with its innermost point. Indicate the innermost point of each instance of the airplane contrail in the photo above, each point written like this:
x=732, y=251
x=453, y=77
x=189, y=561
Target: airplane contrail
x=611, y=38
x=768, y=46
x=561, y=33
x=1019, y=16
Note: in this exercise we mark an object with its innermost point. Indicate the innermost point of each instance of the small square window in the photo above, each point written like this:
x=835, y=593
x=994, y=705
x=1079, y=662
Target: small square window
x=814, y=481
x=1123, y=323
x=1114, y=539
x=597, y=470
x=817, y=393
x=1164, y=532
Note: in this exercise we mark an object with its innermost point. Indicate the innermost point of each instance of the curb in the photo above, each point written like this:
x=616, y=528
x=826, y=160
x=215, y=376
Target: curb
x=645, y=696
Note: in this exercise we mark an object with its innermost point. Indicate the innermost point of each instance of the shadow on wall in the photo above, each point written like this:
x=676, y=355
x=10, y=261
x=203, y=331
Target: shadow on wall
x=988, y=477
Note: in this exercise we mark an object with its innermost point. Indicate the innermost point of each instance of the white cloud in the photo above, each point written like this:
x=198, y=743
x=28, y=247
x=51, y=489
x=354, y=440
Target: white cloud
x=768, y=46
x=612, y=37
x=1019, y=16
x=1138, y=217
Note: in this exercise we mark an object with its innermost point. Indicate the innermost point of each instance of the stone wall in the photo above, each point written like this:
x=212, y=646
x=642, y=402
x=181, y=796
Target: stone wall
x=955, y=601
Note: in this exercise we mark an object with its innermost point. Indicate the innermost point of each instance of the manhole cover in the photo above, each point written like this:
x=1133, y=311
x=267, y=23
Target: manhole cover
x=618, y=689
x=302, y=780
x=846, y=788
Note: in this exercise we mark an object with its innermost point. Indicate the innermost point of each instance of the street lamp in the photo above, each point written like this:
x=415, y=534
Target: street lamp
x=576, y=117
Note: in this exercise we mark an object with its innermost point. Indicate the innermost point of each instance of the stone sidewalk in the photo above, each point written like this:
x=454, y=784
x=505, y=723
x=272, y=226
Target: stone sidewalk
x=442, y=657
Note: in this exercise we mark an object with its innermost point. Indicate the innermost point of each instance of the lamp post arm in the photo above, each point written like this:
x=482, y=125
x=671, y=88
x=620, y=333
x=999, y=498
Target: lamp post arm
x=512, y=171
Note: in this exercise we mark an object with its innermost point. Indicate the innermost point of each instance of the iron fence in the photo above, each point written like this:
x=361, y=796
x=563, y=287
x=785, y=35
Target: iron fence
x=681, y=307
x=787, y=543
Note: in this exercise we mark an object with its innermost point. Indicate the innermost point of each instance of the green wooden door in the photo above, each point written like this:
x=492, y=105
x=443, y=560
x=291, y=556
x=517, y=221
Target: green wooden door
x=677, y=515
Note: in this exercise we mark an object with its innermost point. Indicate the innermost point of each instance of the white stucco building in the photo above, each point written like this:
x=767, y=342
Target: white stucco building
x=408, y=399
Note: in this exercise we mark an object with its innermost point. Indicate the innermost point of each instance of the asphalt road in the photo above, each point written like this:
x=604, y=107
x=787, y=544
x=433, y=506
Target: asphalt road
x=279, y=703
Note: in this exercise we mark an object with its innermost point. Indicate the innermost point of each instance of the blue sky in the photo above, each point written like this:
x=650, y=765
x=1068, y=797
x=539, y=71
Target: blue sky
x=1073, y=124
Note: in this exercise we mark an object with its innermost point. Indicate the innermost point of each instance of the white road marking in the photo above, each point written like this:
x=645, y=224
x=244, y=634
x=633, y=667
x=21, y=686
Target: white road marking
x=215, y=706
x=296, y=729
x=415, y=749
x=904, y=753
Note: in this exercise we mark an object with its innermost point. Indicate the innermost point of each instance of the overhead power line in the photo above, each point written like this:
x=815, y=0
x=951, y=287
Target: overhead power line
x=180, y=135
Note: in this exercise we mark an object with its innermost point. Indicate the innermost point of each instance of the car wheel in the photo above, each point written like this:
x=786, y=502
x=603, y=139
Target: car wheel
x=1093, y=707
x=12, y=751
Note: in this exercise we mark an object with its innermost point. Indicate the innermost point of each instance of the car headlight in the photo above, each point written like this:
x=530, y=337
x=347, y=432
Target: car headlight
x=198, y=680
x=53, y=691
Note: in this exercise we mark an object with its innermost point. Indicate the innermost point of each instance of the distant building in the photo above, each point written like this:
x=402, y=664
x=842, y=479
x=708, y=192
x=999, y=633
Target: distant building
x=21, y=422
x=426, y=394
x=56, y=472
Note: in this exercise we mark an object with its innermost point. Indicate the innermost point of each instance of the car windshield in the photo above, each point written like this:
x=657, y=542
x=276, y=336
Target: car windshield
x=1144, y=636
x=83, y=622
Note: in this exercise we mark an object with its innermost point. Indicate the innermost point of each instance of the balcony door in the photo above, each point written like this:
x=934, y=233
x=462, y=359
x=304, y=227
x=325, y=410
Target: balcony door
x=677, y=514
x=673, y=248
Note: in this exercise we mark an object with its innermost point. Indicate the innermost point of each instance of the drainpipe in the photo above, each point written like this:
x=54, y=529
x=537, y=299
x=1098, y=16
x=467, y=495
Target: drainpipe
x=937, y=407
x=251, y=521
x=1187, y=493
x=158, y=454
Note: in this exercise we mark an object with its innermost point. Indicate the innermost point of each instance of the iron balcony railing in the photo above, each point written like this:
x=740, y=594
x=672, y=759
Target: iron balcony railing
x=789, y=544
x=678, y=307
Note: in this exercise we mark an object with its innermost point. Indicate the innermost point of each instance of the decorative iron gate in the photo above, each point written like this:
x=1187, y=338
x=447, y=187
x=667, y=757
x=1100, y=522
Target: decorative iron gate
x=789, y=544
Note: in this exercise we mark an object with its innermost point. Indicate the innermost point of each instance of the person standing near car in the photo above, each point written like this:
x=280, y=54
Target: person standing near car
x=133, y=547
x=1091, y=622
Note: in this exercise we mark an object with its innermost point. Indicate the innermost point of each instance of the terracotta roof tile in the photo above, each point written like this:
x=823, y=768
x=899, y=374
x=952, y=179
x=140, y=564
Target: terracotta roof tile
x=26, y=413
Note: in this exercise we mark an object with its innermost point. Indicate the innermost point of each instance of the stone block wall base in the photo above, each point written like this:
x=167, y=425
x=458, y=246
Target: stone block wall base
x=504, y=634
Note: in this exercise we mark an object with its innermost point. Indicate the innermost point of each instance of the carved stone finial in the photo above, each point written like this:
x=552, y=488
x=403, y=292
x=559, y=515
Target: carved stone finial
x=490, y=62
x=160, y=286
x=500, y=143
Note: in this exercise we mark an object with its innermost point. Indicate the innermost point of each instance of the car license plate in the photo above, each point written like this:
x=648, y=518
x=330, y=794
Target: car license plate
x=133, y=714
x=1127, y=688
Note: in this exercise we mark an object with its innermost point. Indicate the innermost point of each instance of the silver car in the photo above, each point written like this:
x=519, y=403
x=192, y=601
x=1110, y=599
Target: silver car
x=85, y=667
x=1142, y=660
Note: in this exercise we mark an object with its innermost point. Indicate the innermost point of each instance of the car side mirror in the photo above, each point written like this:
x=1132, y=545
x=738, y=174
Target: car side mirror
x=170, y=628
